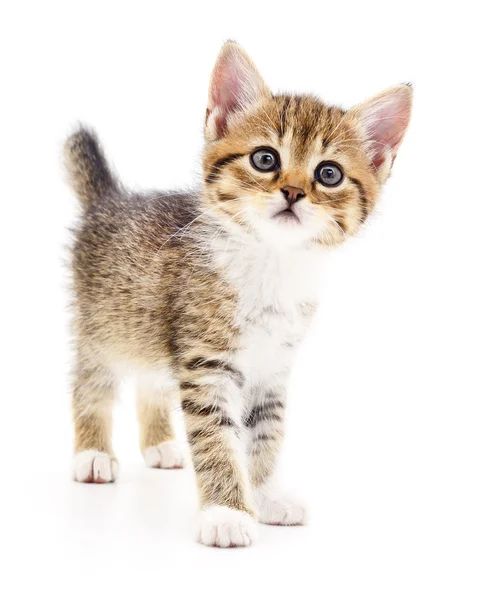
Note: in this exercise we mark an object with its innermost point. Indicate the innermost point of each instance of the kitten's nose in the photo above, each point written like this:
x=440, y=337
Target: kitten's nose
x=293, y=194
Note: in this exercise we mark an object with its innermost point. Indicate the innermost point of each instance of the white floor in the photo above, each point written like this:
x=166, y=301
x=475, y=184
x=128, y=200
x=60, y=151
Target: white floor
x=75, y=541
x=374, y=535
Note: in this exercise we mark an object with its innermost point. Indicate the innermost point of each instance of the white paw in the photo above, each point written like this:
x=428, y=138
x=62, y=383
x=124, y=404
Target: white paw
x=92, y=466
x=225, y=527
x=168, y=455
x=275, y=508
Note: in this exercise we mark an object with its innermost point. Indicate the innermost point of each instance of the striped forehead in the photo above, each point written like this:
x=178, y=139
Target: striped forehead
x=303, y=126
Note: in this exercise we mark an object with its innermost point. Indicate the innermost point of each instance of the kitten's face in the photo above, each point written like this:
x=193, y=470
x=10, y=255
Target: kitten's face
x=289, y=168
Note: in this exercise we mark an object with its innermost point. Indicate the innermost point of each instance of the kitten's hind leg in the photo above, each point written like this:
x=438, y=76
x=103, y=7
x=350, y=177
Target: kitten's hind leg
x=156, y=396
x=264, y=422
x=93, y=398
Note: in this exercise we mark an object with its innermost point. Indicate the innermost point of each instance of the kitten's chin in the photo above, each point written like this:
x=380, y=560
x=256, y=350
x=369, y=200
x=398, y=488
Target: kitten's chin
x=282, y=229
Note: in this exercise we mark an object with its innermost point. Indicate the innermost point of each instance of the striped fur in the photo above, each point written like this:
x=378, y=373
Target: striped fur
x=207, y=295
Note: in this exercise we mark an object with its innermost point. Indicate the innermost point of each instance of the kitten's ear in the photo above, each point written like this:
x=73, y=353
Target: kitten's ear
x=235, y=85
x=385, y=119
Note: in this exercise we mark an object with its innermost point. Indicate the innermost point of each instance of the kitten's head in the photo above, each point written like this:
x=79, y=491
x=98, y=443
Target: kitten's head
x=290, y=168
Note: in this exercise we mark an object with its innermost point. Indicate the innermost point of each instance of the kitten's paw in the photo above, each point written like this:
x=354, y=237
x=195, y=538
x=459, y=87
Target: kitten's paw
x=168, y=455
x=225, y=527
x=278, y=509
x=92, y=466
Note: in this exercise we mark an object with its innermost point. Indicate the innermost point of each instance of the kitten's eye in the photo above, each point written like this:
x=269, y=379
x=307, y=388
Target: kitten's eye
x=329, y=174
x=265, y=159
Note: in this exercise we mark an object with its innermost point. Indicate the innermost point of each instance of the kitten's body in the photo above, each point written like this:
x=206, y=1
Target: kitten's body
x=131, y=302
x=206, y=302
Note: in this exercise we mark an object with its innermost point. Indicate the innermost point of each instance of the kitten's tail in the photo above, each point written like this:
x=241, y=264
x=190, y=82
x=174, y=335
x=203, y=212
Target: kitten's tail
x=87, y=168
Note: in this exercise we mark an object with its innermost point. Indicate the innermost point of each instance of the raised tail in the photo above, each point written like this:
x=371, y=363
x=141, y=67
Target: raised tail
x=87, y=168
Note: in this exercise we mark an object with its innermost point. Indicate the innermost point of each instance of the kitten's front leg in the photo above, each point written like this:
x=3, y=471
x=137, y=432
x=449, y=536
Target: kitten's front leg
x=211, y=398
x=265, y=424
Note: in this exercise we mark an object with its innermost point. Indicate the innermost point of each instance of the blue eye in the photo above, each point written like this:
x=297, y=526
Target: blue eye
x=265, y=159
x=329, y=174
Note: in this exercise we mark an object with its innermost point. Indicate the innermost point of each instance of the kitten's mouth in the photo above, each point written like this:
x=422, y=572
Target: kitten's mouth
x=287, y=215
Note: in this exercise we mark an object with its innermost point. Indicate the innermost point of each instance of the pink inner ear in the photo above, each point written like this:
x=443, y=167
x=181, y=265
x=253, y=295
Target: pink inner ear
x=235, y=83
x=386, y=120
x=225, y=93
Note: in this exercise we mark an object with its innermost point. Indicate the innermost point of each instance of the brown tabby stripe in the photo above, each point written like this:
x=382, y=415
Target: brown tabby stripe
x=216, y=365
x=188, y=385
x=304, y=134
x=197, y=435
x=363, y=200
x=331, y=125
x=205, y=433
x=283, y=124
x=224, y=197
x=262, y=437
x=227, y=422
x=217, y=167
x=200, y=410
x=261, y=444
x=341, y=224
x=265, y=412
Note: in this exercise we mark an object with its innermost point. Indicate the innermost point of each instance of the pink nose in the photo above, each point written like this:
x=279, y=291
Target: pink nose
x=293, y=194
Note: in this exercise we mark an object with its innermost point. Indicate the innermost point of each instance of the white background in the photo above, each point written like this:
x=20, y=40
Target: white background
x=382, y=436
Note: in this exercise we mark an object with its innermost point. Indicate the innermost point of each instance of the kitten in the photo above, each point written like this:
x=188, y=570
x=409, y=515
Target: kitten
x=207, y=295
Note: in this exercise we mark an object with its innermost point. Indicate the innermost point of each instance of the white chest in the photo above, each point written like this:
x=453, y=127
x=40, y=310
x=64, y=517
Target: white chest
x=277, y=291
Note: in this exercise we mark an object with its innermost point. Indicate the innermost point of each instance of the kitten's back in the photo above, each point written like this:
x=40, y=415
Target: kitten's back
x=128, y=252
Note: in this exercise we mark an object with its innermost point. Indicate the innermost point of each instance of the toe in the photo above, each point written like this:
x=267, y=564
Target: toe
x=167, y=455
x=225, y=527
x=92, y=466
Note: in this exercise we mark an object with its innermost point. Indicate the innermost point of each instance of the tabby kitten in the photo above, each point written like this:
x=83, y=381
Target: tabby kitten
x=207, y=295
